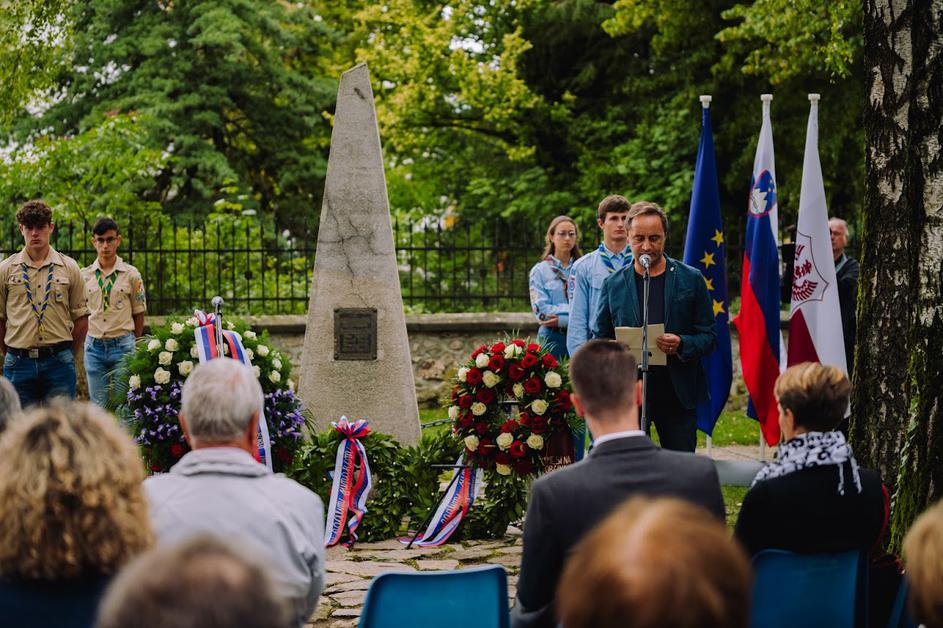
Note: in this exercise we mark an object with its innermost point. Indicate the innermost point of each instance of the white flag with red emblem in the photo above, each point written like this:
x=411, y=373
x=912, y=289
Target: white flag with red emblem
x=815, y=329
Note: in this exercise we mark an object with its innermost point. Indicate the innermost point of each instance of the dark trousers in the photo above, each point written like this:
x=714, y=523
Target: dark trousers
x=676, y=425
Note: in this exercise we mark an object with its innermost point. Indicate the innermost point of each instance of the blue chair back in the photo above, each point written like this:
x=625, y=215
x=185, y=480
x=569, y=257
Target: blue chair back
x=900, y=616
x=808, y=590
x=468, y=598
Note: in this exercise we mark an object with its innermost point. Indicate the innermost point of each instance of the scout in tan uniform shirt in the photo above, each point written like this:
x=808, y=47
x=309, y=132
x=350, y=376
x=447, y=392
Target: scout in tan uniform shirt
x=43, y=314
x=116, y=299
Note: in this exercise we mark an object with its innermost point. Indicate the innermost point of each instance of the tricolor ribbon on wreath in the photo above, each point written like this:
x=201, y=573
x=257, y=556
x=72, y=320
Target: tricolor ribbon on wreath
x=207, y=349
x=454, y=506
x=351, y=484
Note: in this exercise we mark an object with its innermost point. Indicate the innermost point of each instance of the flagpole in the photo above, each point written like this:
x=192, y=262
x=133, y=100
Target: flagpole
x=706, y=104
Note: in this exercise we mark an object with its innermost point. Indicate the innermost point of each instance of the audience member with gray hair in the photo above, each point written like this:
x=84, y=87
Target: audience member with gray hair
x=201, y=583
x=9, y=402
x=220, y=488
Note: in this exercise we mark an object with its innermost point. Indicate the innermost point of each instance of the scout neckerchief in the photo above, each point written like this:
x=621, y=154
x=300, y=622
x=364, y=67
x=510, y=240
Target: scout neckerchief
x=106, y=285
x=557, y=267
x=39, y=312
x=607, y=258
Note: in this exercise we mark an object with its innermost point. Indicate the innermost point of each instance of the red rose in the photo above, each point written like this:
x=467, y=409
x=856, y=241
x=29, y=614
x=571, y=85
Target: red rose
x=515, y=372
x=155, y=468
x=478, y=351
x=485, y=395
x=473, y=377
x=502, y=458
x=524, y=418
x=529, y=360
x=533, y=347
x=465, y=401
x=532, y=386
x=481, y=428
x=466, y=420
x=563, y=399
x=518, y=342
x=484, y=445
x=549, y=361
x=496, y=363
x=524, y=466
x=538, y=425
x=176, y=450
x=510, y=426
x=517, y=449
x=497, y=347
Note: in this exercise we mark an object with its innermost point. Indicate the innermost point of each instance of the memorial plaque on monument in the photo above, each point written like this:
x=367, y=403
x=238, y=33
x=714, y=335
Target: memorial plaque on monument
x=355, y=334
x=356, y=303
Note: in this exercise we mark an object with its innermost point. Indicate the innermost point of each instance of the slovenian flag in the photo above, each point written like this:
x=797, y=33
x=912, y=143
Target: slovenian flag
x=762, y=357
x=705, y=250
x=815, y=328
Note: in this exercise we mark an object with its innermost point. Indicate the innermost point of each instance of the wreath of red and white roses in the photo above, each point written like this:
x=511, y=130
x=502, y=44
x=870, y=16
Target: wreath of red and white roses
x=513, y=371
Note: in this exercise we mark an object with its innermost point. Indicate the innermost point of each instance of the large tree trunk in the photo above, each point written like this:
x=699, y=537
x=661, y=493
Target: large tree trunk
x=898, y=398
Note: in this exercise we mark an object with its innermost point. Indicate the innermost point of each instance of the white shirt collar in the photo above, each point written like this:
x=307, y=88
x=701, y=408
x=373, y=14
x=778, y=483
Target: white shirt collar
x=614, y=435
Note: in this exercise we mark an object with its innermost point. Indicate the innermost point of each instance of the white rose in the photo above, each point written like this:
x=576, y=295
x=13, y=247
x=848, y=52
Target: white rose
x=194, y=353
x=258, y=372
x=553, y=379
x=249, y=334
x=462, y=374
x=504, y=440
x=230, y=325
x=518, y=391
x=512, y=350
x=290, y=383
x=482, y=360
x=185, y=367
x=478, y=408
x=161, y=376
x=153, y=345
x=165, y=357
x=471, y=442
x=192, y=322
x=490, y=379
x=134, y=382
x=249, y=354
x=262, y=350
x=171, y=345
x=539, y=406
x=535, y=441
x=277, y=364
x=177, y=329
x=275, y=376
x=502, y=469
x=453, y=412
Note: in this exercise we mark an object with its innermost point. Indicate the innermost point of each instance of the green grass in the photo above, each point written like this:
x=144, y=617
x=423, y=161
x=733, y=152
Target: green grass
x=733, y=499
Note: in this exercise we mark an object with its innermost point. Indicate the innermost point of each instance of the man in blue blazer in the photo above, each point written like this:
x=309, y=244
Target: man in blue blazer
x=678, y=298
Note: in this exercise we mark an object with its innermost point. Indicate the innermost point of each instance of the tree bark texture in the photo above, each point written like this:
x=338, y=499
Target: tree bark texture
x=897, y=402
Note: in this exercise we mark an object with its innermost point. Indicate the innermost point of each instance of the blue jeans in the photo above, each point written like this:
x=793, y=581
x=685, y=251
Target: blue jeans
x=101, y=358
x=554, y=340
x=40, y=379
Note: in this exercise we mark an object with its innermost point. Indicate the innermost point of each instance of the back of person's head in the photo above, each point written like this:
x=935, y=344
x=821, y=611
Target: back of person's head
x=923, y=555
x=219, y=400
x=9, y=403
x=816, y=394
x=612, y=203
x=656, y=562
x=603, y=373
x=35, y=213
x=201, y=583
x=70, y=486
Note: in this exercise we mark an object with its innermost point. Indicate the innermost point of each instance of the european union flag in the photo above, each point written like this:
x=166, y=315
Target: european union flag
x=704, y=249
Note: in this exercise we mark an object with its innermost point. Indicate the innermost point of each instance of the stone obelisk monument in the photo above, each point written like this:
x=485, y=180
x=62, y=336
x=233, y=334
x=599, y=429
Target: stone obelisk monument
x=356, y=359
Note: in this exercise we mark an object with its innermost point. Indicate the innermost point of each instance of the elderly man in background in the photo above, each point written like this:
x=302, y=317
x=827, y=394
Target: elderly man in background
x=847, y=270
x=219, y=488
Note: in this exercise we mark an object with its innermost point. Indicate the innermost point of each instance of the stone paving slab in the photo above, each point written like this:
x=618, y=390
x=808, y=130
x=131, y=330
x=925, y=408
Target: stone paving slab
x=437, y=565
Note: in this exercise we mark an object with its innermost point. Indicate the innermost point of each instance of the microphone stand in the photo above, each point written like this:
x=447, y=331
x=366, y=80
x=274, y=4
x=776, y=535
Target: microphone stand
x=646, y=427
x=217, y=304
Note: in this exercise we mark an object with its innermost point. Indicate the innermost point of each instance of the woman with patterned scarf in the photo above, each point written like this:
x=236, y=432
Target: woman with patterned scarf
x=813, y=498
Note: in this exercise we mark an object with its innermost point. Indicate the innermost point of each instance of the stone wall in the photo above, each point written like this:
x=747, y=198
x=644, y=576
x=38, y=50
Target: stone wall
x=439, y=342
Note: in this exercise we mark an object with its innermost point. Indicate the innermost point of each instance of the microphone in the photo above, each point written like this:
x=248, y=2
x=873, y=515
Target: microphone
x=645, y=260
x=217, y=301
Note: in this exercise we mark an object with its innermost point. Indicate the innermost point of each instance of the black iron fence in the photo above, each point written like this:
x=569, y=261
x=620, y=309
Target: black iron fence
x=260, y=267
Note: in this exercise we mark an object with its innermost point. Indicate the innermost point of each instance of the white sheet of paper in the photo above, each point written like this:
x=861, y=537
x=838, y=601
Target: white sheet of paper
x=632, y=338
